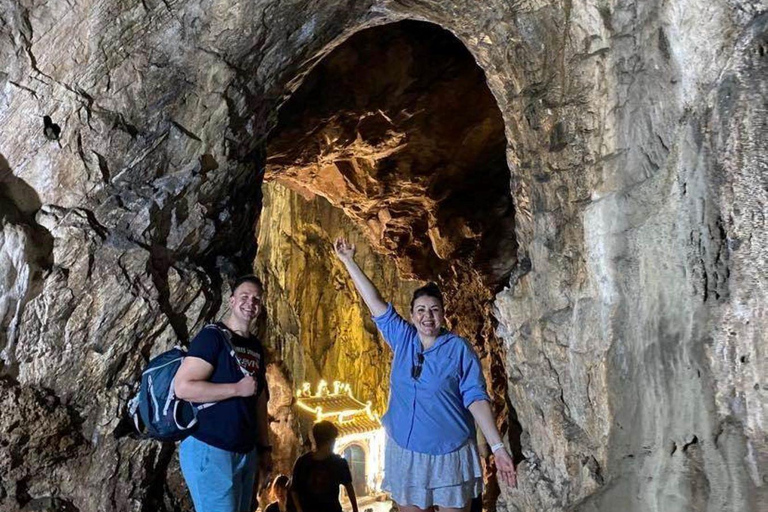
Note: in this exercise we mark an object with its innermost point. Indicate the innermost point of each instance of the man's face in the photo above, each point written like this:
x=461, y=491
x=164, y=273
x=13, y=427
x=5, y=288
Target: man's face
x=245, y=302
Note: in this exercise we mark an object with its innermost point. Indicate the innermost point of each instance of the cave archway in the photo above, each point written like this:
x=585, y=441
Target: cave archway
x=394, y=140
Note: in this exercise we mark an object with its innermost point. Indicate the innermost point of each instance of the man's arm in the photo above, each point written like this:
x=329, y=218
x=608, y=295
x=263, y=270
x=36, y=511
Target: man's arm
x=352, y=498
x=191, y=383
x=262, y=439
x=263, y=419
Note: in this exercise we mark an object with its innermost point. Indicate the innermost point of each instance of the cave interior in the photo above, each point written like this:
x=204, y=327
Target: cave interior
x=394, y=141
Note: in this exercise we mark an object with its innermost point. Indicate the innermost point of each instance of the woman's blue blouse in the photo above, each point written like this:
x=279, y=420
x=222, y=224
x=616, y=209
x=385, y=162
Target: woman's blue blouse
x=429, y=414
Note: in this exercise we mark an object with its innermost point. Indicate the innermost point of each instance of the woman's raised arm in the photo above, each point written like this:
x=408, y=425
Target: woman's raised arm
x=367, y=290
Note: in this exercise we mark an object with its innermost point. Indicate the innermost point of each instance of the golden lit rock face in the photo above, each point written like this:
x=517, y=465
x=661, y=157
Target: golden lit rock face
x=317, y=326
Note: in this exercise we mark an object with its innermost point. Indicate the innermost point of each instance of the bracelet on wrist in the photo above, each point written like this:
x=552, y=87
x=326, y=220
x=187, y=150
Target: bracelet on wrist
x=496, y=447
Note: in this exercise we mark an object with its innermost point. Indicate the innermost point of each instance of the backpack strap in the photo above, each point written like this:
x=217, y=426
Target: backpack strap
x=133, y=412
x=226, y=335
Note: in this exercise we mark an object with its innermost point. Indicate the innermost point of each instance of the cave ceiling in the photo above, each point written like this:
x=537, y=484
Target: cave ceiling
x=398, y=128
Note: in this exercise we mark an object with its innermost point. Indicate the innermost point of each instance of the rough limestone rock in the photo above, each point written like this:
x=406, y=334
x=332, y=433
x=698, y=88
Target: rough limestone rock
x=317, y=328
x=588, y=181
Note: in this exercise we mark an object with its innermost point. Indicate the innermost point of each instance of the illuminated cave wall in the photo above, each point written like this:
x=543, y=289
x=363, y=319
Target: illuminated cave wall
x=317, y=326
x=397, y=129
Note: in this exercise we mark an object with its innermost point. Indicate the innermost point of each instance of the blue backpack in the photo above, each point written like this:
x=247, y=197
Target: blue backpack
x=155, y=410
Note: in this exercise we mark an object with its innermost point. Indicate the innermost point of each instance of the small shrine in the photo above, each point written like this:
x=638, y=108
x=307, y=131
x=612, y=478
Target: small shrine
x=361, y=436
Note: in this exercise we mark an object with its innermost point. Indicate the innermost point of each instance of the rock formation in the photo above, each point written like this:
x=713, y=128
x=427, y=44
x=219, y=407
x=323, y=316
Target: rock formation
x=587, y=180
x=317, y=328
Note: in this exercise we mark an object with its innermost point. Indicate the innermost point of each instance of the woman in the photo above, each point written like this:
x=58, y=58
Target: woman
x=280, y=493
x=437, y=393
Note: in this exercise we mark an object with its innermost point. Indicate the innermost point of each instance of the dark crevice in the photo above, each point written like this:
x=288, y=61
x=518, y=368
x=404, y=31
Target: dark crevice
x=185, y=131
x=694, y=441
x=160, y=263
x=515, y=432
x=51, y=130
x=155, y=482
x=103, y=167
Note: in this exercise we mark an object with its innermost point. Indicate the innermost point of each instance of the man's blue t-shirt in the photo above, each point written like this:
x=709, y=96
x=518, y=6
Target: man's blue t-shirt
x=230, y=424
x=429, y=414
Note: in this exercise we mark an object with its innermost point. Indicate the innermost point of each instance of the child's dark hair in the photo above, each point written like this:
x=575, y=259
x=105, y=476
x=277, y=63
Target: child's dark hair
x=280, y=482
x=250, y=278
x=430, y=290
x=324, y=432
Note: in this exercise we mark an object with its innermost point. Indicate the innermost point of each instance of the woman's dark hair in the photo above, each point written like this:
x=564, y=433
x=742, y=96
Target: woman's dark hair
x=250, y=278
x=430, y=290
x=324, y=432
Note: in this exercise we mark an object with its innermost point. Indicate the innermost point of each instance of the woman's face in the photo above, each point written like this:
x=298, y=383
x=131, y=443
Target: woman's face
x=427, y=315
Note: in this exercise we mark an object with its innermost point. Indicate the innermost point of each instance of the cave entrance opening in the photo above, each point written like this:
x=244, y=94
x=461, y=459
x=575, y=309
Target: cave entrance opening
x=394, y=141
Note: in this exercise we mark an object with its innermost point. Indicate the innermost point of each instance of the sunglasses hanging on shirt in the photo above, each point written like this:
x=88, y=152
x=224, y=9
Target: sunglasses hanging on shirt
x=416, y=369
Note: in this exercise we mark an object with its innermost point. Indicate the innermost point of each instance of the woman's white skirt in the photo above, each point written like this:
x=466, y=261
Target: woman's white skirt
x=424, y=480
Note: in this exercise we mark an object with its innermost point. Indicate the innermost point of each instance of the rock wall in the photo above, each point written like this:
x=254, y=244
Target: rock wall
x=633, y=319
x=617, y=331
x=317, y=327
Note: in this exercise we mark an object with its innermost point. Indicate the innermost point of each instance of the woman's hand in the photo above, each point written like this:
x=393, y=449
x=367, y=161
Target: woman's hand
x=346, y=253
x=505, y=467
x=344, y=250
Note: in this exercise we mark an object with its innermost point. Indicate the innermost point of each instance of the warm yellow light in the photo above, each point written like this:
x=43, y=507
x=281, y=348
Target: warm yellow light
x=345, y=416
x=322, y=389
x=306, y=390
x=313, y=410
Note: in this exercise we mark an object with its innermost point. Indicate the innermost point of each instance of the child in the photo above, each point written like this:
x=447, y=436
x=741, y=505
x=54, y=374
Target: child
x=318, y=474
x=279, y=492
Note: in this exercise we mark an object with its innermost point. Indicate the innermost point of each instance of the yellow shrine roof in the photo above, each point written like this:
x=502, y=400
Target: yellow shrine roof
x=332, y=404
x=339, y=406
x=358, y=425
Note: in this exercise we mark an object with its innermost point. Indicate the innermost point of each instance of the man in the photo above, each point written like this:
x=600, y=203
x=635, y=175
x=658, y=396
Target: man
x=219, y=460
x=317, y=475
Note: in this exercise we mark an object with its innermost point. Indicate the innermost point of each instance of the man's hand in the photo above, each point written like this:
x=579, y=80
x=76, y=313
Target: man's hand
x=246, y=386
x=505, y=467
